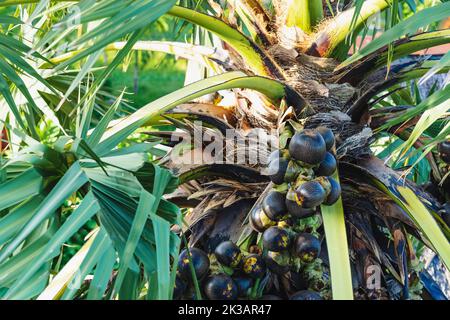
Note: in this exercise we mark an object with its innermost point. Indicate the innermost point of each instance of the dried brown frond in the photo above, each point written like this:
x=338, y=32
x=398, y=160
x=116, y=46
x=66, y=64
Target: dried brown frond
x=215, y=193
x=221, y=112
x=256, y=111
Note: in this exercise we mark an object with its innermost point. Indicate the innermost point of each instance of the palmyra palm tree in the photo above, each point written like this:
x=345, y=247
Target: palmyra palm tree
x=282, y=65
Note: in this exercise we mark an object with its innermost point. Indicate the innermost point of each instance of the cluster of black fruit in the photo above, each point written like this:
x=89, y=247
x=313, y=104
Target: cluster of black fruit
x=302, y=177
x=302, y=174
x=245, y=269
x=234, y=280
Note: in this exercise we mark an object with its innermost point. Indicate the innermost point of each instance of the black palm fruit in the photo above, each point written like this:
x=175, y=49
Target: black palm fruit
x=295, y=210
x=307, y=247
x=306, y=295
x=298, y=212
x=308, y=146
x=335, y=192
x=244, y=285
x=274, y=206
x=277, y=167
x=254, y=266
x=221, y=287
x=444, y=151
x=327, y=135
x=310, y=194
x=228, y=254
x=200, y=262
x=179, y=288
x=328, y=166
x=259, y=221
x=276, y=239
x=277, y=262
x=277, y=170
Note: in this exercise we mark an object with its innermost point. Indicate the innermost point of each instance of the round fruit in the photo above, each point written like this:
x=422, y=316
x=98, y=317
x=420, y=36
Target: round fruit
x=328, y=166
x=277, y=262
x=308, y=147
x=179, y=288
x=294, y=209
x=276, y=170
x=254, y=266
x=200, y=263
x=221, y=287
x=298, y=212
x=260, y=221
x=244, y=285
x=306, y=295
x=228, y=254
x=310, y=194
x=327, y=135
x=276, y=239
x=307, y=247
x=274, y=206
x=444, y=151
x=334, y=194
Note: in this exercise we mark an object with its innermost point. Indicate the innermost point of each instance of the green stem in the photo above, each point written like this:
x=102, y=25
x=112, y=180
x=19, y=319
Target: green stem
x=198, y=294
x=336, y=237
x=254, y=292
x=254, y=57
x=305, y=14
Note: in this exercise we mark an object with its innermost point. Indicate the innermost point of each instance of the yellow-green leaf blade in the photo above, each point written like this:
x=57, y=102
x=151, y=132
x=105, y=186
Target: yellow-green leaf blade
x=425, y=221
x=338, y=254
